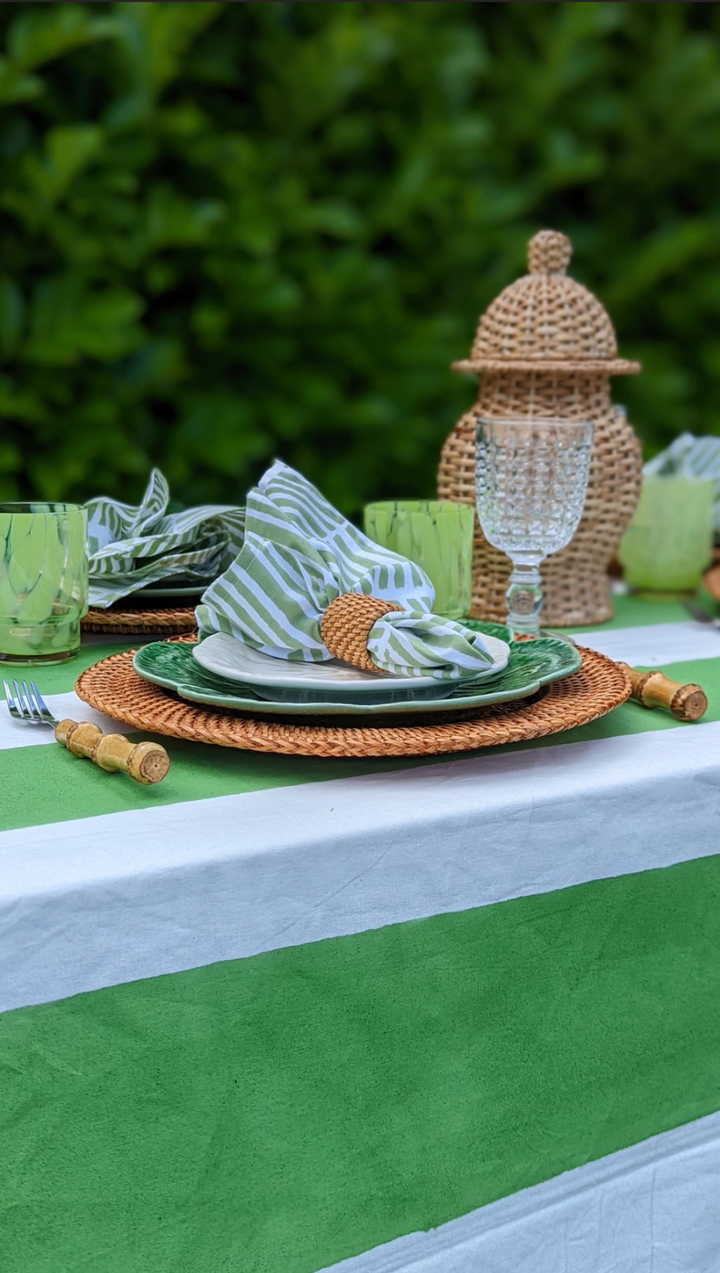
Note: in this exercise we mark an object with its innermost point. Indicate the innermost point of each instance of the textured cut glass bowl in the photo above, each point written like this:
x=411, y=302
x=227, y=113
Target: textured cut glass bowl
x=43, y=581
x=531, y=481
x=436, y=535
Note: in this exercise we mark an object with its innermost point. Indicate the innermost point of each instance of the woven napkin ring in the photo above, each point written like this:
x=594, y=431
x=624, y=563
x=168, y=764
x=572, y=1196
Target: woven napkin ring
x=345, y=627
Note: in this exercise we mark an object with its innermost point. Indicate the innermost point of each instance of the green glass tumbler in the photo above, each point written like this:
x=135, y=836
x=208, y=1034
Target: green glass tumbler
x=668, y=544
x=43, y=581
x=436, y=535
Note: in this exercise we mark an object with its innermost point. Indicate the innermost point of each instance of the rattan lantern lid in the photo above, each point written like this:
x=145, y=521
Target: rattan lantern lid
x=546, y=321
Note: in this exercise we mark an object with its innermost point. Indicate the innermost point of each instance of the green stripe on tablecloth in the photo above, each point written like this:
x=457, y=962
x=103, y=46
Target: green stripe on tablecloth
x=279, y=1113
x=639, y=612
x=45, y=784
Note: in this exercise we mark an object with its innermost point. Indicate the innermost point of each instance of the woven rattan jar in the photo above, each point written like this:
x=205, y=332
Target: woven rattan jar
x=546, y=349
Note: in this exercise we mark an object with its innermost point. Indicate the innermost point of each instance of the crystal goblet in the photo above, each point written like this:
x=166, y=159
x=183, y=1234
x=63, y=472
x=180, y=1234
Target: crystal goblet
x=531, y=480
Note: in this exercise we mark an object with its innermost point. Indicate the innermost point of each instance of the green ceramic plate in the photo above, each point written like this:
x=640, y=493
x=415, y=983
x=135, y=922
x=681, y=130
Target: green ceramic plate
x=531, y=665
x=179, y=590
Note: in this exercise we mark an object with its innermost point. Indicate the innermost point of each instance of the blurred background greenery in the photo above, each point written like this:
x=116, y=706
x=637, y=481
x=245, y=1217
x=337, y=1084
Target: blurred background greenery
x=236, y=231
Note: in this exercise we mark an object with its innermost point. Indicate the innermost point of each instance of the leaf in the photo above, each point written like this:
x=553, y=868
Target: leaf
x=155, y=37
x=10, y=457
x=172, y=220
x=15, y=85
x=20, y=404
x=69, y=322
x=67, y=151
x=333, y=217
x=667, y=253
x=38, y=36
x=12, y=315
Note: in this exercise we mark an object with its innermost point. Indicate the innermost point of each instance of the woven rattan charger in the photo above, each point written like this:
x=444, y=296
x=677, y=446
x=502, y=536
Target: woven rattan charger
x=113, y=687
x=163, y=621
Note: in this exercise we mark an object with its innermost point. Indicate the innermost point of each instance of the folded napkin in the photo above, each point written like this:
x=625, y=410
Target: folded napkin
x=689, y=456
x=300, y=554
x=130, y=547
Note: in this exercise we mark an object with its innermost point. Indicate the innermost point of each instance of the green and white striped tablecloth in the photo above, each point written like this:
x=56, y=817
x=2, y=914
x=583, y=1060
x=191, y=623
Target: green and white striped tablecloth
x=281, y=1015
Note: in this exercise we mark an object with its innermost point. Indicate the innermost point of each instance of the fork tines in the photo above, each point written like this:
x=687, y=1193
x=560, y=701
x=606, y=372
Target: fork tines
x=26, y=702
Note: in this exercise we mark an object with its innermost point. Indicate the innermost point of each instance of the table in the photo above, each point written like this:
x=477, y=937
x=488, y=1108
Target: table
x=280, y=1015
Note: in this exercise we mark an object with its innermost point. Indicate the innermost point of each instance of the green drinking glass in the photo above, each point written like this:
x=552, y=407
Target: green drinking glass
x=436, y=535
x=668, y=544
x=43, y=581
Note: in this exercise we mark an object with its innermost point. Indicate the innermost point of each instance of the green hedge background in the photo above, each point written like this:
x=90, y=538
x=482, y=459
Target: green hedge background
x=235, y=231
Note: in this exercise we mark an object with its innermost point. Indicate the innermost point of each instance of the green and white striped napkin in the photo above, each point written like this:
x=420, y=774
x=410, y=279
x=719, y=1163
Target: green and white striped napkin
x=300, y=554
x=130, y=547
x=689, y=456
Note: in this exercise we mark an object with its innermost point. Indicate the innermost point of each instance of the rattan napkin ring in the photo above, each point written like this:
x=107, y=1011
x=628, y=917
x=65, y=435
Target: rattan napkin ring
x=346, y=626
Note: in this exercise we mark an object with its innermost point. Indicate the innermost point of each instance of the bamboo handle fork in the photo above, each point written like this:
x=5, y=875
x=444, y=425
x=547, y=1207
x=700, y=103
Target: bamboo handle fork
x=654, y=689
x=145, y=763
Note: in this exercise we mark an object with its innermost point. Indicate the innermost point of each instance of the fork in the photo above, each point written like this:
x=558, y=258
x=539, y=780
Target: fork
x=145, y=762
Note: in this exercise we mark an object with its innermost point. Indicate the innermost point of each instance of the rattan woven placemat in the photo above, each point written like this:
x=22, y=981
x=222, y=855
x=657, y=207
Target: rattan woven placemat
x=114, y=688
x=165, y=620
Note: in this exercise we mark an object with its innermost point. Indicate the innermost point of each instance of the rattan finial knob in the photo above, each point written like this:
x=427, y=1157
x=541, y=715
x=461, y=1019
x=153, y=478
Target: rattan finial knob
x=549, y=252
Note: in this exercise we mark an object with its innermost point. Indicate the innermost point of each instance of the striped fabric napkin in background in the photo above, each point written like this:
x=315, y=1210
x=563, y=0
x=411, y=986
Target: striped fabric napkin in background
x=299, y=554
x=131, y=547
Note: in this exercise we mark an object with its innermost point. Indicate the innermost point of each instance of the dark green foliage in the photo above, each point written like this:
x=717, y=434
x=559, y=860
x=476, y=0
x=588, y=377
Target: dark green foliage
x=231, y=231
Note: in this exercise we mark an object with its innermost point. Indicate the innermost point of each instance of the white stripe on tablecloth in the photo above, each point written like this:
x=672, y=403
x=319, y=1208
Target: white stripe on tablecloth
x=144, y=892
x=15, y=733
x=651, y=1208
x=654, y=646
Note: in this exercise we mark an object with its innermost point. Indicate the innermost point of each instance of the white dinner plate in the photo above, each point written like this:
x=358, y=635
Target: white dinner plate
x=224, y=656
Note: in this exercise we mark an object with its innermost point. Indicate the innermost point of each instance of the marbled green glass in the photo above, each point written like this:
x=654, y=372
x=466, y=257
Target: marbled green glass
x=438, y=536
x=43, y=581
x=668, y=544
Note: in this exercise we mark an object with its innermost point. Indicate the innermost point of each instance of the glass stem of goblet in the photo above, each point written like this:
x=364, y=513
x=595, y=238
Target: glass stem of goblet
x=524, y=597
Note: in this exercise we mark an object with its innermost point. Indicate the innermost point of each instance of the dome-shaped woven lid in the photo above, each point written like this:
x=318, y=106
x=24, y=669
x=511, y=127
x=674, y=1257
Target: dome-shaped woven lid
x=546, y=321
